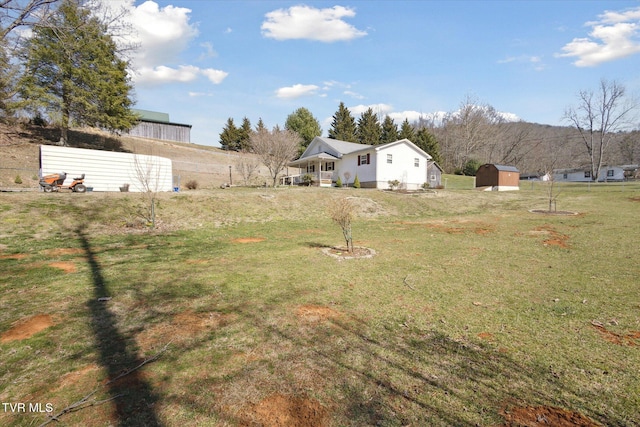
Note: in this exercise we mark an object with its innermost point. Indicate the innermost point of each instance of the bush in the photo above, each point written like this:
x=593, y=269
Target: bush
x=425, y=186
x=192, y=184
x=338, y=182
x=356, y=182
x=471, y=167
x=394, y=184
x=307, y=179
x=18, y=180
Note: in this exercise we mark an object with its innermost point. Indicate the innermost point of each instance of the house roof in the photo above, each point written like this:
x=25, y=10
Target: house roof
x=344, y=147
x=317, y=156
x=504, y=168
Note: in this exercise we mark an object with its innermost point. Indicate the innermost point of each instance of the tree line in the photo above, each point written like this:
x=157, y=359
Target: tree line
x=366, y=130
x=599, y=132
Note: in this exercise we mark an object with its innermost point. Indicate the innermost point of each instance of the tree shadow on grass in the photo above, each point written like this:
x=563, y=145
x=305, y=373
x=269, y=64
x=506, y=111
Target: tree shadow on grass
x=133, y=397
x=375, y=376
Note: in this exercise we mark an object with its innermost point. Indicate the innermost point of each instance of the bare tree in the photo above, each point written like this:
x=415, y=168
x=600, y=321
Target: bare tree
x=275, y=149
x=19, y=13
x=246, y=165
x=342, y=212
x=148, y=177
x=467, y=130
x=598, y=116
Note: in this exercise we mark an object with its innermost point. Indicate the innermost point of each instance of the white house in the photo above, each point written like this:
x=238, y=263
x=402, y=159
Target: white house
x=108, y=170
x=326, y=159
x=607, y=173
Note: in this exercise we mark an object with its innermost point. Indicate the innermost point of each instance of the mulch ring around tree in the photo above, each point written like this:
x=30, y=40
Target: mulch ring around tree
x=341, y=252
x=531, y=416
x=548, y=212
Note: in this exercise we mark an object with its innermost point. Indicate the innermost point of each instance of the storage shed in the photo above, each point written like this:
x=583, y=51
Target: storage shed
x=491, y=177
x=108, y=170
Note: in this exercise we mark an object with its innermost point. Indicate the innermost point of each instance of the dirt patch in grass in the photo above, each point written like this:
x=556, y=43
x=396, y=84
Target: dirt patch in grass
x=316, y=313
x=635, y=199
x=182, y=327
x=531, y=416
x=25, y=328
x=63, y=251
x=66, y=266
x=631, y=339
x=249, y=240
x=280, y=410
x=14, y=256
x=554, y=237
x=79, y=376
x=453, y=226
x=488, y=336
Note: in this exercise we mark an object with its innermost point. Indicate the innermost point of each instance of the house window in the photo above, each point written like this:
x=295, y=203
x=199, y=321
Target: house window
x=311, y=168
x=416, y=162
x=610, y=172
x=433, y=177
x=587, y=174
x=363, y=159
x=329, y=166
x=389, y=158
x=565, y=175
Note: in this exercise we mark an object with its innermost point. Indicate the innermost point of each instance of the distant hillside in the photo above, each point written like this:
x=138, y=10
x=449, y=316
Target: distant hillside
x=19, y=145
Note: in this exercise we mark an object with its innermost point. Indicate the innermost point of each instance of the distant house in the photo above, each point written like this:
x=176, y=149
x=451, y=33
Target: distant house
x=156, y=125
x=607, y=173
x=326, y=159
x=536, y=176
x=490, y=177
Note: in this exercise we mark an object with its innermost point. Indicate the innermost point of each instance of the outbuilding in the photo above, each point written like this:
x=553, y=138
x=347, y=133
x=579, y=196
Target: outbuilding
x=490, y=177
x=108, y=170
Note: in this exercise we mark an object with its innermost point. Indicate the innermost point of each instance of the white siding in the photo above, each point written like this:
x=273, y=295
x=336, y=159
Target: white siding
x=402, y=167
x=106, y=170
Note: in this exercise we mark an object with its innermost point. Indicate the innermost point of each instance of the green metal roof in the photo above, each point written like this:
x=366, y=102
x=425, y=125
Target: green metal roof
x=153, y=116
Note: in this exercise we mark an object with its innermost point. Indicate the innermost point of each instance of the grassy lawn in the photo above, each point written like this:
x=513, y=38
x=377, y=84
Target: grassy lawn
x=474, y=310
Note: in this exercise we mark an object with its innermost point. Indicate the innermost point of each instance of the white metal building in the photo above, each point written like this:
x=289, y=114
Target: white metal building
x=108, y=170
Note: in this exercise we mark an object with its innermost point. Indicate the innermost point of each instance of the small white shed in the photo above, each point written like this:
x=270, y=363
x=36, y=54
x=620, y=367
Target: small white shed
x=108, y=170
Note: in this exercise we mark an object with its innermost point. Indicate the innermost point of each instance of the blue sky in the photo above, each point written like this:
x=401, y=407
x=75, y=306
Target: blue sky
x=205, y=61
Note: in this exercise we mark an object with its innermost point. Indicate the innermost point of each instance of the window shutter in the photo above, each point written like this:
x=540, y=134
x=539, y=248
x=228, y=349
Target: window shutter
x=368, y=159
x=358, y=160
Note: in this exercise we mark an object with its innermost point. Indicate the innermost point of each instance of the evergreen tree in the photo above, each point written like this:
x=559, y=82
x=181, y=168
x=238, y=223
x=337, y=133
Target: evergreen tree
x=343, y=126
x=428, y=143
x=389, y=131
x=230, y=136
x=244, y=135
x=368, y=130
x=72, y=70
x=407, y=131
x=307, y=126
x=260, y=126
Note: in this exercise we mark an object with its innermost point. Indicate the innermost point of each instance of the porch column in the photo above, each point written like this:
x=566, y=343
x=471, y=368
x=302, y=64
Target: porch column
x=319, y=172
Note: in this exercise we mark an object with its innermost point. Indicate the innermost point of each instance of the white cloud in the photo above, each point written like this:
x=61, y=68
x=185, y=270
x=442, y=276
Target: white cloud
x=613, y=36
x=296, y=91
x=163, y=34
x=183, y=74
x=209, y=51
x=379, y=109
x=214, y=76
x=305, y=22
x=353, y=94
x=535, y=61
